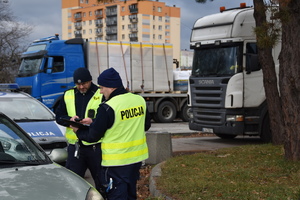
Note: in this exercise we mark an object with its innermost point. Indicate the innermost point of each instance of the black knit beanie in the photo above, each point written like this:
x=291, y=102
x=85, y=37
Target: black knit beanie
x=110, y=78
x=82, y=75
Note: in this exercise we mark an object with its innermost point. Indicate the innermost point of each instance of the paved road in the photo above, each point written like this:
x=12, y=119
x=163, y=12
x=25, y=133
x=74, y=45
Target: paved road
x=198, y=143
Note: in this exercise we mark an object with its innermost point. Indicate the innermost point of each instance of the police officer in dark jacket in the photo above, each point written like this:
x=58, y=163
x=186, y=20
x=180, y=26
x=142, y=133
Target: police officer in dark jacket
x=80, y=104
x=121, y=122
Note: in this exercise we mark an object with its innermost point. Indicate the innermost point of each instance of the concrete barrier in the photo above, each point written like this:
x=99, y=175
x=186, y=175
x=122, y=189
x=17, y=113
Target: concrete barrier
x=160, y=147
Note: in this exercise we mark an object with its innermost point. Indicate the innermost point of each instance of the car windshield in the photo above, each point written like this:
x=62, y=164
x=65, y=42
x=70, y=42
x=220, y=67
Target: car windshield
x=24, y=109
x=217, y=61
x=16, y=148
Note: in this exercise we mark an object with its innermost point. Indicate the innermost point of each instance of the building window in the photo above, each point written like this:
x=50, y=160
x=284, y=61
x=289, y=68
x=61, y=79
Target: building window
x=91, y=13
x=167, y=33
x=87, y=1
x=83, y=23
x=160, y=18
x=123, y=27
x=84, y=14
x=153, y=27
x=153, y=36
x=153, y=8
x=158, y=9
x=153, y=17
x=90, y=22
x=123, y=8
x=91, y=31
x=123, y=36
x=123, y=18
x=83, y=32
x=160, y=27
x=167, y=19
x=160, y=37
x=167, y=27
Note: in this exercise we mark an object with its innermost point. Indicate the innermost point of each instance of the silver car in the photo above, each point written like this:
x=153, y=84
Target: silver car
x=26, y=171
x=35, y=118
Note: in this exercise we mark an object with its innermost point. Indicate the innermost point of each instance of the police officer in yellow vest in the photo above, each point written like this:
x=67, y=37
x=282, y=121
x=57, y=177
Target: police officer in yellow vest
x=80, y=104
x=121, y=122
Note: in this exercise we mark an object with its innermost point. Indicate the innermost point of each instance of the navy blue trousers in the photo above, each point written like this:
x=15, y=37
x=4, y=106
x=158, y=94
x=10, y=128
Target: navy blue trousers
x=90, y=157
x=124, y=180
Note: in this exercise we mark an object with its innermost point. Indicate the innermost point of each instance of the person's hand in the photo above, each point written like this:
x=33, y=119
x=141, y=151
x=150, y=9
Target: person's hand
x=73, y=118
x=87, y=121
x=75, y=129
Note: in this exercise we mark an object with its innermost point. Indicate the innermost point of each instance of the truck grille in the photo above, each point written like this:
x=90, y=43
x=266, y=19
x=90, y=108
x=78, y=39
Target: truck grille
x=208, y=99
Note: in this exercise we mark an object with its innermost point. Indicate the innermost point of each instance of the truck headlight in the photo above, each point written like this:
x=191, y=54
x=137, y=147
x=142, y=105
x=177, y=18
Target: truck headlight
x=234, y=118
x=93, y=194
x=190, y=113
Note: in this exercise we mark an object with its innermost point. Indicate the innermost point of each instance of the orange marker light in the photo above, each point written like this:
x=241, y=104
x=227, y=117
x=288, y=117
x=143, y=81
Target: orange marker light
x=222, y=8
x=242, y=5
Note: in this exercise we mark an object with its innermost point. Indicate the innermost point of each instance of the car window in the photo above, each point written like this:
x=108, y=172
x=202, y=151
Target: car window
x=16, y=147
x=24, y=109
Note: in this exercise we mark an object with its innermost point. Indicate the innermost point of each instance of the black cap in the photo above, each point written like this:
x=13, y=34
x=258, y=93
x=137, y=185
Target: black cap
x=110, y=78
x=82, y=75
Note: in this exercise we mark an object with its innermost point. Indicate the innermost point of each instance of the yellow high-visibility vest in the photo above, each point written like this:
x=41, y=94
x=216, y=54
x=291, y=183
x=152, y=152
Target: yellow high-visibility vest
x=69, y=99
x=125, y=142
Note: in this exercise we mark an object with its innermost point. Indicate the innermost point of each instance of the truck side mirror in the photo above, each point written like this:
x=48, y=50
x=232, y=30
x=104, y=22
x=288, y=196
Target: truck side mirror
x=49, y=65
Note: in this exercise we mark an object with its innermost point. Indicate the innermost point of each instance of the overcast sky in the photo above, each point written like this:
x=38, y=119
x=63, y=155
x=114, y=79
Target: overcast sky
x=45, y=16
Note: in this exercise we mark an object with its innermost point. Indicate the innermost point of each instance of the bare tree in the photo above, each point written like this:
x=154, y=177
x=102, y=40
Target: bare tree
x=12, y=35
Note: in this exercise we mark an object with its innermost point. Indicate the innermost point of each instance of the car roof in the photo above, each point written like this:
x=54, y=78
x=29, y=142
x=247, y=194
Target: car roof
x=13, y=94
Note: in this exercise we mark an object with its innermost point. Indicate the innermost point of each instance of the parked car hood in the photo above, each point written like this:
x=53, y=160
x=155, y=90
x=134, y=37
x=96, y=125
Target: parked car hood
x=39, y=182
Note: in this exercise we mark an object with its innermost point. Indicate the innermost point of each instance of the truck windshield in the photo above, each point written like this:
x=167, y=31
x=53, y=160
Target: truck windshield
x=29, y=66
x=217, y=60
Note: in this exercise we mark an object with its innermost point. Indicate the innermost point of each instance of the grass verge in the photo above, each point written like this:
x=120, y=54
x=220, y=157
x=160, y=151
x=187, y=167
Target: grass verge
x=244, y=172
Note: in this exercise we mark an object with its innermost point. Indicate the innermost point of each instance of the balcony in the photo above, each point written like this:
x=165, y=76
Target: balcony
x=99, y=33
x=111, y=37
x=111, y=32
x=77, y=34
x=133, y=8
x=134, y=30
x=78, y=17
x=111, y=22
x=99, y=25
x=78, y=26
x=134, y=39
x=99, y=16
x=134, y=20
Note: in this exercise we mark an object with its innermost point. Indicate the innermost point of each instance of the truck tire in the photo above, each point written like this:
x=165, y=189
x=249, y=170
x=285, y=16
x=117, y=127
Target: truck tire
x=183, y=114
x=166, y=112
x=266, y=134
x=225, y=136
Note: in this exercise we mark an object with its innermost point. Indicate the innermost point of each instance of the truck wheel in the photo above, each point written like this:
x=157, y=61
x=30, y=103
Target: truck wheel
x=166, y=112
x=183, y=114
x=266, y=134
x=225, y=136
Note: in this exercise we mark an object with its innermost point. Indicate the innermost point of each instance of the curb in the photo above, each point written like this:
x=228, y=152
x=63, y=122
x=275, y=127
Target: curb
x=154, y=192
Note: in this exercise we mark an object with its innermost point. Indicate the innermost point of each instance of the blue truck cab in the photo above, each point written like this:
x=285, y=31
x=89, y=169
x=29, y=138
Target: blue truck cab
x=47, y=67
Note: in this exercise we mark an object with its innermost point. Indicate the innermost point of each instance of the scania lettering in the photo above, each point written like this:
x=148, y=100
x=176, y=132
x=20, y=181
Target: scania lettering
x=226, y=92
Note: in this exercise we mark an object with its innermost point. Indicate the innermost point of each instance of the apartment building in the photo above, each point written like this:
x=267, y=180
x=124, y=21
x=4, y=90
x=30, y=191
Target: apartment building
x=137, y=21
